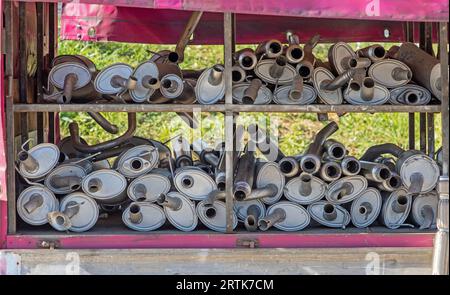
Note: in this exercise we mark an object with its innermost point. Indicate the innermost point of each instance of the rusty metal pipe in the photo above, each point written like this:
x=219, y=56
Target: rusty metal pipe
x=305, y=188
x=105, y=124
x=374, y=52
x=270, y=49
x=338, y=82
x=276, y=216
x=367, y=89
x=277, y=68
x=121, y=82
x=295, y=93
x=359, y=63
x=246, y=59
x=173, y=203
x=375, y=151
x=251, y=221
x=85, y=148
x=136, y=216
x=251, y=93
x=289, y=166
x=214, y=196
x=265, y=144
x=35, y=201
x=294, y=53
x=150, y=82
x=238, y=74
x=69, y=85
x=29, y=163
x=178, y=55
x=306, y=66
x=245, y=171
x=376, y=172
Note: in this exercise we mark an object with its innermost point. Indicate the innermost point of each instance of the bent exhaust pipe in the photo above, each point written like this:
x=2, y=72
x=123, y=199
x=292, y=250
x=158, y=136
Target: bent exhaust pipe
x=214, y=196
x=267, y=222
x=102, y=122
x=123, y=83
x=173, y=203
x=295, y=93
x=69, y=86
x=244, y=178
x=310, y=161
x=91, y=149
x=306, y=66
x=270, y=49
x=251, y=221
x=338, y=82
x=177, y=56
x=268, y=191
x=335, y=151
x=246, y=59
x=374, y=52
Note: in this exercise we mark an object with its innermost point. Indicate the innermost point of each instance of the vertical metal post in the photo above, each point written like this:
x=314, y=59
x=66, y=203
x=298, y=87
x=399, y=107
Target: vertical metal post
x=52, y=15
x=441, y=242
x=431, y=137
x=23, y=76
x=422, y=116
x=39, y=68
x=409, y=35
x=228, y=56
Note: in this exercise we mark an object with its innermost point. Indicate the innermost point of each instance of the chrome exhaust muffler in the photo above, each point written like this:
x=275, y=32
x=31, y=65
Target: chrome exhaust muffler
x=329, y=215
x=180, y=211
x=34, y=203
x=38, y=161
x=285, y=216
x=143, y=216
x=305, y=189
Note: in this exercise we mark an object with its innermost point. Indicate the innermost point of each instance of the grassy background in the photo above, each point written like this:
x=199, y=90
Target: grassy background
x=357, y=131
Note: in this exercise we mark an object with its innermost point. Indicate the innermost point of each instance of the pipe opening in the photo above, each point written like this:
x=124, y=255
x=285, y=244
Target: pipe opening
x=394, y=182
x=94, y=185
x=306, y=178
x=251, y=220
x=355, y=86
x=134, y=209
x=136, y=164
x=23, y=156
x=402, y=200
x=362, y=210
x=263, y=224
x=379, y=52
x=286, y=167
x=352, y=62
x=297, y=53
x=173, y=57
x=332, y=171
x=221, y=186
x=352, y=166
x=75, y=187
x=295, y=94
x=304, y=71
x=166, y=83
x=153, y=81
x=59, y=220
x=247, y=100
x=187, y=182
x=337, y=152
x=309, y=165
x=368, y=83
x=239, y=195
x=210, y=212
x=385, y=173
x=274, y=47
x=281, y=61
x=247, y=61
x=236, y=76
x=412, y=98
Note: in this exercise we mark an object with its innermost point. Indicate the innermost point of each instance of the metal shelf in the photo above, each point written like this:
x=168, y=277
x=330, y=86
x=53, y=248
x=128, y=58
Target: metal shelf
x=133, y=108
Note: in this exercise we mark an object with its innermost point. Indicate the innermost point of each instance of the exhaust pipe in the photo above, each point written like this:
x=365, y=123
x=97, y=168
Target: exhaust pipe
x=330, y=171
x=214, y=196
x=359, y=63
x=151, y=82
x=310, y=161
x=251, y=92
x=173, y=203
x=400, y=204
x=238, y=75
x=335, y=151
x=338, y=82
x=270, y=49
x=140, y=192
x=268, y=191
x=135, y=216
x=305, y=187
x=265, y=144
x=182, y=152
x=375, y=171
x=121, y=82
x=294, y=53
x=389, y=185
x=205, y=153
x=289, y=166
x=30, y=164
x=92, y=149
x=276, y=216
x=177, y=56
x=374, y=52
x=295, y=93
x=367, y=89
x=69, y=86
x=35, y=201
x=277, y=68
x=72, y=182
x=251, y=221
x=105, y=124
x=246, y=59
x=244, y=178
x=306, y=66
x=329, y=212
x=61, y=220
x=350, y=166
x=426, y=68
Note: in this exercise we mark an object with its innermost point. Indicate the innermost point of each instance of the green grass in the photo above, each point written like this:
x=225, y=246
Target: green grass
x=357, y=131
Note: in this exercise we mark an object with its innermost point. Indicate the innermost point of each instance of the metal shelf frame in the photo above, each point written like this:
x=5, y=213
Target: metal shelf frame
x=46, y=112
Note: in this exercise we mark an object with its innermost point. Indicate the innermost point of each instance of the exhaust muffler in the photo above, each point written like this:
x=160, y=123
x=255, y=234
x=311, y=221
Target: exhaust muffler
x=194, y=183
x=180, y=211
x=366, y=208
x=390, y=73
x=143, y=216
x=396, y=208
x=269, y=183
x=34, y=203
x=137, y=161
x=115, y=79
x=106, y=186
x=410, y=94
x=329, y=215
x=424, y=210
x=346, y=189
x=285, y=216
x=250, y=212
x=210, y=87
x=305, y=189
x=214, y=217
x=148, y=187
x=37, y=162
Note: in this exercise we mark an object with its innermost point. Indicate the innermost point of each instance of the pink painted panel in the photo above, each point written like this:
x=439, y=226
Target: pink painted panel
x=411, y=10
x=162, y=26
x=192, y=240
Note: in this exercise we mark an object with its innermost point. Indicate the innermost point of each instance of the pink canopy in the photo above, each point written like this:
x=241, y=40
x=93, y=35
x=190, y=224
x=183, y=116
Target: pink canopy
x=145, y=25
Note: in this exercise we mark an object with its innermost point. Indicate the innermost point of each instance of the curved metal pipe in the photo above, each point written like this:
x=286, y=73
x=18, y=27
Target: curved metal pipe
x=338, y=82
x=69, y=85
x=268, y=191
x=215, y=75
x=214, y=196
x=359, y=63
x=277, y=68
x=151, y=82
x=124, y=83
x=85, y=148
x=251, y=92
x=105, y=124
x=377, y=150
x=265, y=144
x=315, y=147
x=178, y=55
x=276, y=216
x=251, y=221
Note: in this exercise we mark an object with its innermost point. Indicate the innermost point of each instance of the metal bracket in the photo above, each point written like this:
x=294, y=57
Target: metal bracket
x=49, y=244
x=247, y=243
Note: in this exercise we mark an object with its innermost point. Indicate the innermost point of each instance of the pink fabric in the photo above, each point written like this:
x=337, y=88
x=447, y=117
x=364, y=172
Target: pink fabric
x=163, y=26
